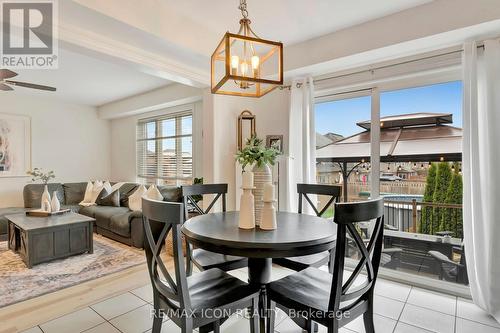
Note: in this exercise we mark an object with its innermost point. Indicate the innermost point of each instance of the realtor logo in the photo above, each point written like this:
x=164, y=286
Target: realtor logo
x=28, y=34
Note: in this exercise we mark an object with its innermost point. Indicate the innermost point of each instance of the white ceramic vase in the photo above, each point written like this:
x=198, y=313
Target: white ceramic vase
x=262, y=176
x=55, y=205
x=247, y=213
x=45, y=197
x=268, y=219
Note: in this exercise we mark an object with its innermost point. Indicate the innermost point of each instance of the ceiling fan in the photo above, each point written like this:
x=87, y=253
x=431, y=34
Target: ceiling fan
x=5, y=84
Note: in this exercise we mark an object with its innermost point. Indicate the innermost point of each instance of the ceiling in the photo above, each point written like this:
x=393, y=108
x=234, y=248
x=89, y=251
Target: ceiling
x=289, y=21
x=86, y=80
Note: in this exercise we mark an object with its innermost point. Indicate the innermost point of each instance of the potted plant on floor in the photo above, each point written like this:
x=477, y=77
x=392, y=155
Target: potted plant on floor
x=261, y=157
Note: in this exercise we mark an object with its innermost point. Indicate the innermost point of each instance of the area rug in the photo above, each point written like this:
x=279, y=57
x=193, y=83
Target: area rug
x=19, y=283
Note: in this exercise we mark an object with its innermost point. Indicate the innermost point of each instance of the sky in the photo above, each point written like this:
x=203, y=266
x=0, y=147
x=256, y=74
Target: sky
x=341, y=116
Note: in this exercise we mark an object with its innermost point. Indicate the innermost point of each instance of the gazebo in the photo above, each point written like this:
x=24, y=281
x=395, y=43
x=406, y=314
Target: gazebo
x=416, y=137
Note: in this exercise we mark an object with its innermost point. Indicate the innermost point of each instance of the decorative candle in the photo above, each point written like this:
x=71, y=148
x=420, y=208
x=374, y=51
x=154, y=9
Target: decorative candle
x=247, y=181
x=268, y=192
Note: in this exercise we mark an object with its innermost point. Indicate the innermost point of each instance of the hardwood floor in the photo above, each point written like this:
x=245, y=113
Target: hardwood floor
x=23, y=315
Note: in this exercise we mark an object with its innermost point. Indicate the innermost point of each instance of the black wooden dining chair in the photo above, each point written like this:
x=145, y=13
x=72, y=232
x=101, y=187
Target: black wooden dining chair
x=323, y=297
x=319, y=259
x=204, y=259
x=195, y=301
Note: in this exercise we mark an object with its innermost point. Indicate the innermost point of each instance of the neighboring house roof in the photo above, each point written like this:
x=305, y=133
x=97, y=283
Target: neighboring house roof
x=412, y=137
x=326, y=139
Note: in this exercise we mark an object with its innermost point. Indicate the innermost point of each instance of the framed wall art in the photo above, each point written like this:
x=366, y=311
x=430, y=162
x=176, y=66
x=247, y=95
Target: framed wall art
x=15, y=145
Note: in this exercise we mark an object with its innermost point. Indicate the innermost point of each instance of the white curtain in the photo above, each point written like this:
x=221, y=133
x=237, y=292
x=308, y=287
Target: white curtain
x=302, y=140
x=481, y=163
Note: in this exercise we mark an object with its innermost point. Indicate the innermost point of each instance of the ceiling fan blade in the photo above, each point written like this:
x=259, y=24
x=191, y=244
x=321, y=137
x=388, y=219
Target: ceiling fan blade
x=5, y=87
x=30, y=85
x=6, y=74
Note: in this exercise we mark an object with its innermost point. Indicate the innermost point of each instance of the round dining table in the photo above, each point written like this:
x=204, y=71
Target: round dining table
x=296, y=235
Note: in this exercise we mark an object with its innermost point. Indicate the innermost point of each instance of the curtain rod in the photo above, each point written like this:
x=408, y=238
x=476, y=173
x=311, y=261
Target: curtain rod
x=371, y=70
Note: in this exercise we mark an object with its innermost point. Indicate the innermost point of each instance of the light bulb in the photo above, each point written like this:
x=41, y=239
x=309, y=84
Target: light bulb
x=244, y=68
x=235, y=61
x=255, y=62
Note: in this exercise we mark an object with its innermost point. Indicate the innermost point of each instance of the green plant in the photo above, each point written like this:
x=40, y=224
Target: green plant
x=430, y=186
x=255, y=152
x=443, y=180
x=38, y=174
x=452, y=218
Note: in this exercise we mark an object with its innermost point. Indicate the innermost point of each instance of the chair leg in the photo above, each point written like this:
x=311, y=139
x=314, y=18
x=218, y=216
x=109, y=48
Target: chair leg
x=334, y=328
x=157, y=321
x=311, y=326
x=254, y=316
x=217, y=326
x=331, y=261
x=189, y=262
x=271, y=315
x=368, y=315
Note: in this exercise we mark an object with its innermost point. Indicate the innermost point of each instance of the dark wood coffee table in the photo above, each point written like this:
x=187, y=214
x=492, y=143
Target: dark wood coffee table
x=42, y=239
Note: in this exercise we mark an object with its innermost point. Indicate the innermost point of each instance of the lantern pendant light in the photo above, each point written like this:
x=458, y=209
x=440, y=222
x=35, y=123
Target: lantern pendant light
x=244, y=64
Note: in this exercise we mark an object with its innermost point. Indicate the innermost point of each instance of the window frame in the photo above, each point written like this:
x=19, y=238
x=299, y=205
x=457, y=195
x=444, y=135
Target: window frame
x=158, y=138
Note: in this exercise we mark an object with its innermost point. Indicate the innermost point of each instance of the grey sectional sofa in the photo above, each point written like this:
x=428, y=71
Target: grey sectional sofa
x=118, y=223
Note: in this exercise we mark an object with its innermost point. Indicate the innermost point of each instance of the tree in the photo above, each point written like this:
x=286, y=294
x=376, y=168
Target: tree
x=452, y=219
x=430, y=185
x=443, y=180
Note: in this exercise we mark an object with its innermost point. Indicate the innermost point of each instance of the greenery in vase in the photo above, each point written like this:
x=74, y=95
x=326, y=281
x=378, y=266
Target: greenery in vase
x=38, y=174
x=255, y=152
x=197, y=198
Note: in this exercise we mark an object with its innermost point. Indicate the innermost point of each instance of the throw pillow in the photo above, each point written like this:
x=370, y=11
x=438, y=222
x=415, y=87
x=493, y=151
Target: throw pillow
x=107, y=187
x=109, y=199
x=117, y=186
x=88, y=193
x=96, y=190
x=135, y=199
x=153, y=193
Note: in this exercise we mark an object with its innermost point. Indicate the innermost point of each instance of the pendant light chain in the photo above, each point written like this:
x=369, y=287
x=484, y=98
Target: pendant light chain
x=243, y=8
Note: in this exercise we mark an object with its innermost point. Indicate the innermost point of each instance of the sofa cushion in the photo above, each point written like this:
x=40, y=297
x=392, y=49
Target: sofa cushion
x=73, y=208
x=74, y=193
x=32, y=194
x=109, y=199
x=8, y=211
x=88, y=210
x=120, y=223
x=171, y=193
x=103, y=214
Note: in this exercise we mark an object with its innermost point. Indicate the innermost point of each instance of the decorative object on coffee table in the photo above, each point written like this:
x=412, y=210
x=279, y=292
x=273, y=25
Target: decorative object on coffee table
x=42, y=213
x=247, y=203
x=55, y=205
x=260, y=157
x=38, y=174
x=42, y=239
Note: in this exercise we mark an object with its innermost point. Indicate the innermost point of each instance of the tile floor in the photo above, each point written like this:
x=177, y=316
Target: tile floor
x=398, y=308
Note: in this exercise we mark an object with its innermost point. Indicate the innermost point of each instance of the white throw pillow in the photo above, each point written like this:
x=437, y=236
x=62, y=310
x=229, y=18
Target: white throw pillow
x=154, y=194
x=107, y=186
x=135, y=199
x=96, y=190
x=88, y=193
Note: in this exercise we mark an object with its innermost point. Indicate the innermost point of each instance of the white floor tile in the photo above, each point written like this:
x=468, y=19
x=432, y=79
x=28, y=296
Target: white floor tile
x=145, y=293
x=467, y=326
x=394, y=290
x=135, y=321
x=75, y=322
x=103, y=328
x=168, y=327
x=468, y=310
x=382, y=324
x=288, y=326
x=118, y=305
x=428, y=319
x=236, y=324
x=387, y=307
x=405, y=328
x=35, y=329
x=433, y=300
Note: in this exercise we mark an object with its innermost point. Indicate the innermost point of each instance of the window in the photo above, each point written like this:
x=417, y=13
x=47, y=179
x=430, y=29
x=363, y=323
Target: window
x=165, y=149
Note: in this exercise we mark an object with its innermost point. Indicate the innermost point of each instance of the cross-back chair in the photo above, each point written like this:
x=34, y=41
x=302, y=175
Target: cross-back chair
x=333, y=193
x=306, y=292
x=193, y=301
x=204, y=259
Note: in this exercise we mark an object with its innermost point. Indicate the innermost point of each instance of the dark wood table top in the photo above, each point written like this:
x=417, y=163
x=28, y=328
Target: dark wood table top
x=296, y=235
x=34, y=222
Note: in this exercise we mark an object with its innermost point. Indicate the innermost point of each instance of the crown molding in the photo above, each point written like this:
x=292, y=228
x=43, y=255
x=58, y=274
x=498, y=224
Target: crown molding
x=148, y=62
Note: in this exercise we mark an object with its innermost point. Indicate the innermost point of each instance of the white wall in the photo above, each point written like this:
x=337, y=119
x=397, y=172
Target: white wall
x=220, y=115
x=123, y=142
x=67, y=138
